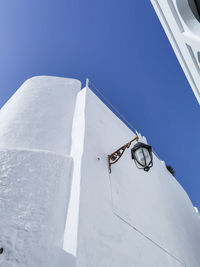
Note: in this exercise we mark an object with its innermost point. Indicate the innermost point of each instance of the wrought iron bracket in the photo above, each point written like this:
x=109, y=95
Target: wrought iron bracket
x=115, y=156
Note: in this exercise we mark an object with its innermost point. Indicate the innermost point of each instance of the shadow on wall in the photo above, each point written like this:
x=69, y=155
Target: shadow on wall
x=189, y=11
x=195, y=7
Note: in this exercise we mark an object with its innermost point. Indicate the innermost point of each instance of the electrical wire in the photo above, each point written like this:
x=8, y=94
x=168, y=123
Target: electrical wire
x=109, y=103
x=120, y=115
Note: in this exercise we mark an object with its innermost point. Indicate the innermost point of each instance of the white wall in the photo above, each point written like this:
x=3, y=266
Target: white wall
x=126, y=218
x=36, y=171
x=129, y=217
x=33, y=187
x=39, y=115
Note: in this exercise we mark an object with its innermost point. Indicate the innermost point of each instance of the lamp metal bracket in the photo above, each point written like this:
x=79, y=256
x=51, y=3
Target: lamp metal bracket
x=115, y=156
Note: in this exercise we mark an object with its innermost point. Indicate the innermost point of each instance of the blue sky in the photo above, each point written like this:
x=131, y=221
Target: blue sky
x=122, y=48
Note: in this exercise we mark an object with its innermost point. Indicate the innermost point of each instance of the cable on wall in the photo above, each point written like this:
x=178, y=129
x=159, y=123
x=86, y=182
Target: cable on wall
x=111, y=105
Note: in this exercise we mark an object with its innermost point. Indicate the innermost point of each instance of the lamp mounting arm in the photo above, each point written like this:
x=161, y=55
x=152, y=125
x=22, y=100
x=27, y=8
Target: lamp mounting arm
x=115, y=156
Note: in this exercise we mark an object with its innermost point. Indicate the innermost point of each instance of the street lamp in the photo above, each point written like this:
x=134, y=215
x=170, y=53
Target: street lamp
x=141, y=153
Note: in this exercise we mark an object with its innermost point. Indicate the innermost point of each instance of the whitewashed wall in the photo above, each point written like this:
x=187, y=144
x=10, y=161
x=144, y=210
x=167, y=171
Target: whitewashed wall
x=40, y=114
x=129, y=217
x=36, y=171
x=54, y=142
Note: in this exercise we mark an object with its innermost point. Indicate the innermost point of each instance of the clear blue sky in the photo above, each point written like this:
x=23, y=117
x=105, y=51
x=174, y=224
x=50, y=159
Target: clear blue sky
x=122, y=48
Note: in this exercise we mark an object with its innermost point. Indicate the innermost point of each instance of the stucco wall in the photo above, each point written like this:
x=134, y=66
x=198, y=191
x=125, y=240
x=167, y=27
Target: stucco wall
x=39, y=115
x=50, y=134
x=36, y=171
x=129, y=217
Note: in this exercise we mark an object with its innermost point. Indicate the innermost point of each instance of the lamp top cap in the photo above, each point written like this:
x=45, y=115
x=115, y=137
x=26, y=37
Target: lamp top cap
x=141, y=145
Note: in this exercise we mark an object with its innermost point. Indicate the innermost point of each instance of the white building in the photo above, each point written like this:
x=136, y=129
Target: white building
x=181, y=22
x=60, y=206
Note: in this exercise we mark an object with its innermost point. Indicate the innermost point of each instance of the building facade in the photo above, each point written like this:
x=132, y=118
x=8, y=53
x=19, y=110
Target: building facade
x=181, y=22
x=59, y=204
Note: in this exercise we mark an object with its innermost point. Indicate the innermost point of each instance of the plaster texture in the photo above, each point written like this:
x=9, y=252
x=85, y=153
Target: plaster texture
x=129, y=217
x=40, y=114
x=36, y=171
x=59, y=205
x=34, y=192
x=182, y=27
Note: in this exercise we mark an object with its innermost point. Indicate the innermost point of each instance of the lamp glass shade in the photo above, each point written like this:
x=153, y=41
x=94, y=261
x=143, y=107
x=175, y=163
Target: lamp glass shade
x=139, y=155
x=147, y=156
x=142, y=154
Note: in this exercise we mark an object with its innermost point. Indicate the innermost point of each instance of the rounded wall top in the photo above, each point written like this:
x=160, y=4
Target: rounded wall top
x=52, y=79
x=40, y=115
